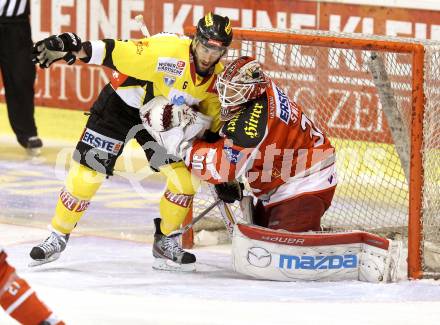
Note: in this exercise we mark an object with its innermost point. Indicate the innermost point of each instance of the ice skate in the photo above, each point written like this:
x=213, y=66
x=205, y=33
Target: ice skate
x=33, y=146
x=50, y=249
x=168, y=255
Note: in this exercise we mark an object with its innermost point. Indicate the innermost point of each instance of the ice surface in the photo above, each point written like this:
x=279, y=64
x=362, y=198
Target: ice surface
x=99, y=280
x=106, y=281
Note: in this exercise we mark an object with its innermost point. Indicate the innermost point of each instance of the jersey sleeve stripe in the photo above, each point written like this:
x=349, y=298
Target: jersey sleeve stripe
x=19, y=301
x=98, y=52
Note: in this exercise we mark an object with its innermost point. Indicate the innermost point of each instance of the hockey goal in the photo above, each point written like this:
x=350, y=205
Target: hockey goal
x=378, y=99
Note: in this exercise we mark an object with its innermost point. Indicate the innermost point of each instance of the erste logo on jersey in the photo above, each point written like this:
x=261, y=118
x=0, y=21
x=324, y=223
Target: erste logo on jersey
x=101, y=142
x=286, y=110
x=283, y=110
x=171, y=66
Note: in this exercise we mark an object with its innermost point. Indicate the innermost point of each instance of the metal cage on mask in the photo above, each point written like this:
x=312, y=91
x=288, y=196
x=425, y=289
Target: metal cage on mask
x=241, y=81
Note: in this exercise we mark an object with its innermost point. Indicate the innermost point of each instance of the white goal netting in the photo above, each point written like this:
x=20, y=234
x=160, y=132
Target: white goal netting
x=361, y=91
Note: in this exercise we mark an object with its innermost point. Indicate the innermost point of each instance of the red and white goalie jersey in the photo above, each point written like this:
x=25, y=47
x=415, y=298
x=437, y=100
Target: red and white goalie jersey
x=272, y=143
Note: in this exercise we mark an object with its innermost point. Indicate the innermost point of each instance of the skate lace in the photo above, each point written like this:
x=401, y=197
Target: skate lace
x=51, y=244
x=172, y=245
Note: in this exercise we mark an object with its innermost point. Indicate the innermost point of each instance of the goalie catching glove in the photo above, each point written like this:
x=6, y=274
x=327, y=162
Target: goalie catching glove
x=160, y=115
x=56, y=47
x=229, y=192
x=173, y=126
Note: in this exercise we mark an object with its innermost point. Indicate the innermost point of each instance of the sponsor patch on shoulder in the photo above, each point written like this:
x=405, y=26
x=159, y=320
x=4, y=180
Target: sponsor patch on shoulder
x=102, y=142
x=232, y=155
x=171, y=66
x=283, y=109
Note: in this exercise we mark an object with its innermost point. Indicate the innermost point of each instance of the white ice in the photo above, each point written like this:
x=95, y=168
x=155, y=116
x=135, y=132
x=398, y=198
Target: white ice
x=106, y=281
x=99, y=280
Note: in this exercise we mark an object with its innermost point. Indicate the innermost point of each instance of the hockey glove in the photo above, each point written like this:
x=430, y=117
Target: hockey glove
x=229, y=192
x=54, y=48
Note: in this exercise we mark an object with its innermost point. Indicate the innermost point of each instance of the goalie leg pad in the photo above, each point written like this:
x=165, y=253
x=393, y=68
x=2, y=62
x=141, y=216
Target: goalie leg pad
x=286, y=256
x=247, y=209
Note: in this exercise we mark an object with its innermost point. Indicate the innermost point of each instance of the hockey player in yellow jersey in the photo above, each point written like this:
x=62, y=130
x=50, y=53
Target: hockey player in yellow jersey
x=181, y=69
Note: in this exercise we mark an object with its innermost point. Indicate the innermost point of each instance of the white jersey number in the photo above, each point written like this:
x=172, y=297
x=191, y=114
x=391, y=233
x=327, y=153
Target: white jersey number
x=314, y=131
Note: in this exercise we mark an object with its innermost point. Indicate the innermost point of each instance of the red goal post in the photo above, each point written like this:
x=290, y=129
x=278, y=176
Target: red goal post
x=376, y=97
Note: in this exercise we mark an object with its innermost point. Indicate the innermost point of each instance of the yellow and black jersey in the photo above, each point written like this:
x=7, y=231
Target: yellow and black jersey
x=158, y=65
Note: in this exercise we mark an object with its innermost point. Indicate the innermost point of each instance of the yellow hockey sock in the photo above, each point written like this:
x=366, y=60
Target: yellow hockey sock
x=80, y=186
x=177, y=199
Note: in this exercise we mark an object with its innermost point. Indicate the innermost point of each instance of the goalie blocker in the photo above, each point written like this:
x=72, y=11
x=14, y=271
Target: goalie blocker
x=285, y=256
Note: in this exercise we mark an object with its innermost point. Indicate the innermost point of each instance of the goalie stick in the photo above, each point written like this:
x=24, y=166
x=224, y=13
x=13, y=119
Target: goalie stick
x=183, y=230
x=140, y=20
x=225, y=211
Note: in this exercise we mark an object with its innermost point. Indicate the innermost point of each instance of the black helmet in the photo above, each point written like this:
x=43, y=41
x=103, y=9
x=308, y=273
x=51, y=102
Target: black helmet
x=214, y=31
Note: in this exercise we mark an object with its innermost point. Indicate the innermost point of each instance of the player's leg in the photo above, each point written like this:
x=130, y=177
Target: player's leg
x=19, y=300
x=177, y=199
x=95, y=156
x=18, y=78
x=301, y=213
x=174, y=206
x=80, y=186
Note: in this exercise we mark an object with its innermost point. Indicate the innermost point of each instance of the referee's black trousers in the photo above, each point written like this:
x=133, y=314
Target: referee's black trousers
x=18, y=74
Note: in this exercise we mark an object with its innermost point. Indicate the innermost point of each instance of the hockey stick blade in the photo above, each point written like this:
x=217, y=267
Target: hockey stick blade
x=183, y=230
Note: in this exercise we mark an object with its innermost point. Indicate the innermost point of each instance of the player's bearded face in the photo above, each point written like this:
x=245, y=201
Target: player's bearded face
x=206, y=57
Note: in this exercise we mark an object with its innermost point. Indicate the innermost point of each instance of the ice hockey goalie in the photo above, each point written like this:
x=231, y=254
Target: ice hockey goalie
x=289, y=165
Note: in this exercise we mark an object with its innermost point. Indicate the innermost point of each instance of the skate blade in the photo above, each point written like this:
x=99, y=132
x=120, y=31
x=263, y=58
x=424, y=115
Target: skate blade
x=54, y=257
x=168, y=265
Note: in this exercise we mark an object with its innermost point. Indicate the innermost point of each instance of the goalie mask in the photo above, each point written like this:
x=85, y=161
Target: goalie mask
x=241, y=81
x=213, y=36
